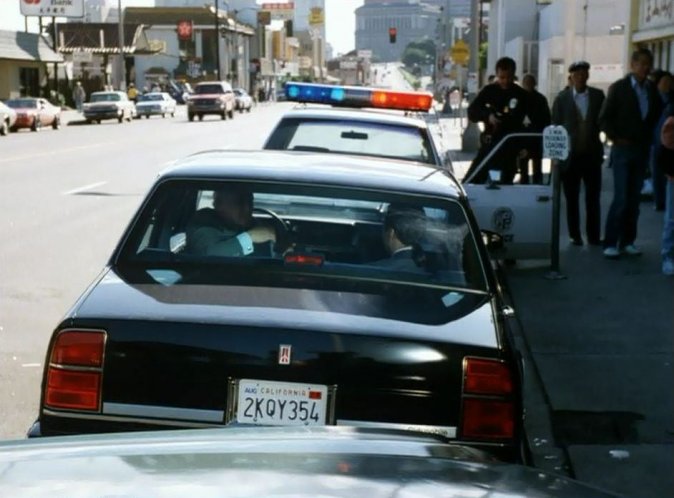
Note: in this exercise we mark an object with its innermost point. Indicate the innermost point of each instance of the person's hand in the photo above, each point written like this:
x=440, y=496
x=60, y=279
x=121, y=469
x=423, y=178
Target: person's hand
x=261, y=234
x=493, y=120
x=523, y=153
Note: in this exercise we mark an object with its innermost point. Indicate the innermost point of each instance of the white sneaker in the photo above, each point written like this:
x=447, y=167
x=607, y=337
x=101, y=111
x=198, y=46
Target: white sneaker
x=611, y=252
x=668, y=267
x=631, y=250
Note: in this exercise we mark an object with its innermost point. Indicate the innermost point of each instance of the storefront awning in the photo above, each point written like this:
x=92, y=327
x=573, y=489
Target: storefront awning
x=103, y=38
x=20, y=46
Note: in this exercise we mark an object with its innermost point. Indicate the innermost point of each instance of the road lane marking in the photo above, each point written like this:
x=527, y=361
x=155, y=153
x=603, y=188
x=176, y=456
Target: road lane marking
x=30, y=365
x=83, y=188
x=52, y=152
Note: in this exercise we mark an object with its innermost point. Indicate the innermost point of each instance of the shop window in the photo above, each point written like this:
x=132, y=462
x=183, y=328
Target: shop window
x=29, y=78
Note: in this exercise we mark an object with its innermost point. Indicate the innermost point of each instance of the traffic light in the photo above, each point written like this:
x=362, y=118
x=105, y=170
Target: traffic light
x=392, y=34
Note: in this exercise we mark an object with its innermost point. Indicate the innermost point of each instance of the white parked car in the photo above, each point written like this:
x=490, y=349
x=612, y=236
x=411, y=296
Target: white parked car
x=244, y=102
x=109, y=105
x=155, y=104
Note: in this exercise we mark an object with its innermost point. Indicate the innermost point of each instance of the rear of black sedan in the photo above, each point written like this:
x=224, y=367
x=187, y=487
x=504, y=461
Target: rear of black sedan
x=373, y=304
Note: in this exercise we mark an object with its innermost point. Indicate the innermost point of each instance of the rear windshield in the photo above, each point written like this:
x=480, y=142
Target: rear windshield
x=345, y=236
x=203, y=89
x=22, y=103
x=406, y=143
x=105, y=97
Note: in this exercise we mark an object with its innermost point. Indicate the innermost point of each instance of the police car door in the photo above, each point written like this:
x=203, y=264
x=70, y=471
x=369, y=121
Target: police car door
x=520, y=213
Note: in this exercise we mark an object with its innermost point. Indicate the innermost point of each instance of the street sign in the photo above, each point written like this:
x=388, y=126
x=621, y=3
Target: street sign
x=471, y=83
x=365, y=54
x=52, y=8
x=555, y=142
x=279, y=11
x=460, y=53
x=185, y=30
x=80, y=57
x=316, y=16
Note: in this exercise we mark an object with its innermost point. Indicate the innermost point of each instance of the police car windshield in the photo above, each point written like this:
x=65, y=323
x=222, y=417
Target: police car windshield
x=328, y=232
x=151, y=97
x=344, y=136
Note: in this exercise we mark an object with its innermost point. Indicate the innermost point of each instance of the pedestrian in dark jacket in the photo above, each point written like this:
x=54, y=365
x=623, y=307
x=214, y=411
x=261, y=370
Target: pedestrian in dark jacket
x=665, y=86
x=667, y=142
x=576, y=108
x=628, y=118
x=539, y=118
x=502, y=107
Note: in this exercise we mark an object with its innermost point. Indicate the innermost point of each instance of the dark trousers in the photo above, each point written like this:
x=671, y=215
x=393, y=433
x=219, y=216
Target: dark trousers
x=534, y=148
x=658, y=176
x=586, y=169
x=503, y=160
x=627, y=163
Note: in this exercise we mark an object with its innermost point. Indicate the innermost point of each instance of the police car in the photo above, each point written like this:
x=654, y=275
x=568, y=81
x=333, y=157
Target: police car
x=389, y=124
x=345, y=125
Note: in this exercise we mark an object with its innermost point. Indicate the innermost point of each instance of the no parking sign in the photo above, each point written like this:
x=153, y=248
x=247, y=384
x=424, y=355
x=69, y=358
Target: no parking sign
x=555, y=142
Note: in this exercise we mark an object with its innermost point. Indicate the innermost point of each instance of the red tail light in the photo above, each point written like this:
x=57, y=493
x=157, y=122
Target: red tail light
x=488, y=408
x=81, y=348
x=484, y=376
x=488, y=419
x=74, y=390
x=304, y=259
x=75, y=370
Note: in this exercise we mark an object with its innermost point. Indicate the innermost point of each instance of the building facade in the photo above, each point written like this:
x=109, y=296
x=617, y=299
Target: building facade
x=573, y=30
x=651, y=25
x=413, y=20
x=24, y=59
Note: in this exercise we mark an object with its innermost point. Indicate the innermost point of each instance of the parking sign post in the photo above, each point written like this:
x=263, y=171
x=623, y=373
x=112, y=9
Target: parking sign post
x=555, y=147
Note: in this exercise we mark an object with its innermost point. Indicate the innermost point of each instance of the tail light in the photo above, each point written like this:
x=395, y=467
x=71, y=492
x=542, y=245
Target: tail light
x=488, y=410
x=75, y=370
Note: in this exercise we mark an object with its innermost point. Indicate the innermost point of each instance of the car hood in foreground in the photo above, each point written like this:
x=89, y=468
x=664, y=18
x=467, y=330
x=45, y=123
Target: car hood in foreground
x=269, y=462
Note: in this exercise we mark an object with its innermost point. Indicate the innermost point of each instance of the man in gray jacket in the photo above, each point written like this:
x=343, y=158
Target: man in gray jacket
x=576, y=108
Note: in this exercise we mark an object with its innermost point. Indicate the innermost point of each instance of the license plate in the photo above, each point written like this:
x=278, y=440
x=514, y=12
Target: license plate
x=263, y=402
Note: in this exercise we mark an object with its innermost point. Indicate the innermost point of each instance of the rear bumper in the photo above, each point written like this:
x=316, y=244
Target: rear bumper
x=63, y=424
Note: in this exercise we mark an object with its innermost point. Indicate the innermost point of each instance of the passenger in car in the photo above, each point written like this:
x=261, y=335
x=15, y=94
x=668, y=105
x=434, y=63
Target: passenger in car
x=227, y=229
x=404, y=227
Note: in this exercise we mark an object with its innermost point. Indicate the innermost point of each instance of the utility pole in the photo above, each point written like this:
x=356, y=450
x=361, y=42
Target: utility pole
x=217, y=40
x=122, y=62
x=470, y=140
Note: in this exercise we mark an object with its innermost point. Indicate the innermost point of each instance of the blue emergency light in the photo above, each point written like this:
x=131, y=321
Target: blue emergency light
x=350, y=96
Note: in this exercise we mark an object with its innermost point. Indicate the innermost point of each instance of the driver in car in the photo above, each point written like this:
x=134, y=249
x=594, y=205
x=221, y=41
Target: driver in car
x=227, y=229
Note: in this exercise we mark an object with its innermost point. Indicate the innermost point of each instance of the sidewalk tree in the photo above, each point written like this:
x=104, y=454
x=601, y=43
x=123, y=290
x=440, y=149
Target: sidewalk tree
x=418, y=52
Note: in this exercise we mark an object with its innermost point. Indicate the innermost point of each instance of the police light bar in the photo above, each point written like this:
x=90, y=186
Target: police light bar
x=354, y=96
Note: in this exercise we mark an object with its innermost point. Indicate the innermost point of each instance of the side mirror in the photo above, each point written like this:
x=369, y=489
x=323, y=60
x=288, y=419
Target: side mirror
x=494, y=179
x=493, y=241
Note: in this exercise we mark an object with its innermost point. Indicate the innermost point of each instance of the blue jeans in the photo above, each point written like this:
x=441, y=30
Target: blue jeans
x=628, y=164
x=668, y=230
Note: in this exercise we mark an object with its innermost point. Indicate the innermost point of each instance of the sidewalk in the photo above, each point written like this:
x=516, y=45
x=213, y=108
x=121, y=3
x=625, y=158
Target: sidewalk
x=601, y=342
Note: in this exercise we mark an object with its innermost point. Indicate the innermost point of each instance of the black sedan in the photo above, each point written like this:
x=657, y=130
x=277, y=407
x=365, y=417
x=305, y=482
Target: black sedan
x=286, y=288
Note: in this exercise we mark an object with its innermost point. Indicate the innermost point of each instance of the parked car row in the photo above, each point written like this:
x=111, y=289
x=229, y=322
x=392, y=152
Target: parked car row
x=217, y=98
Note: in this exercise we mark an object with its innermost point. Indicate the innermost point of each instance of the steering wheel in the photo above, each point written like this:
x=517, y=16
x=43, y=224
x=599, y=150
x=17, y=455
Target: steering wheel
x=283, y=236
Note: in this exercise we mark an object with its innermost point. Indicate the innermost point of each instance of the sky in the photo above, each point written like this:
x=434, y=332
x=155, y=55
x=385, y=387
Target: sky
x=339, y=17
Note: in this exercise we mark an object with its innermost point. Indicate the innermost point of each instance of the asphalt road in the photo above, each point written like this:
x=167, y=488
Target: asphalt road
x=65, y=198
